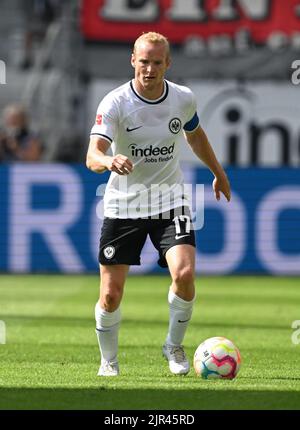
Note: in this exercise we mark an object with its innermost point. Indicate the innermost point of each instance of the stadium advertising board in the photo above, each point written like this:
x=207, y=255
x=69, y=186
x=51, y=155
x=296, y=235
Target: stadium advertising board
x=50, y=221
x=2, y=72
x=123, y=20
x=257, y=123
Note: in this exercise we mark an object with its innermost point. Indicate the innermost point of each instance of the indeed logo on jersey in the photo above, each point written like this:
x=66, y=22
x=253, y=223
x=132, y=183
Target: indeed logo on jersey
x=152, y=152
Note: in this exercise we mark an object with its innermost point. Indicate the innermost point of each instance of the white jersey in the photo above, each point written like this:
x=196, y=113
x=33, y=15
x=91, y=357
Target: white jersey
x=147, y=132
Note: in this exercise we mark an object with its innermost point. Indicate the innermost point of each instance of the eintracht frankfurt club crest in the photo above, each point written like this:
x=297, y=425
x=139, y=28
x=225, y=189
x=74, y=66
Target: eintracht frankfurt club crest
x=175, y=125
x=109, y=252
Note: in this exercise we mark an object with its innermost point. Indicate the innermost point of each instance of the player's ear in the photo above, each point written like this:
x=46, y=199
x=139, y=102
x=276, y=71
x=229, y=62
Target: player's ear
x=168, y=62
x=133, y=60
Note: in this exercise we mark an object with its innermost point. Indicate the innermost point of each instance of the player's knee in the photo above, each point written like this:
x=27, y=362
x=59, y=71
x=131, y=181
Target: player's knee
x=111, y=297
x=110, y=301
x=184, y=276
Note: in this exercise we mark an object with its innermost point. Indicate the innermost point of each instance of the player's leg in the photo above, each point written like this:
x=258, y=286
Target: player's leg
x=174, y=238
x=181, y=263
x=116, y=254
x=108, y=316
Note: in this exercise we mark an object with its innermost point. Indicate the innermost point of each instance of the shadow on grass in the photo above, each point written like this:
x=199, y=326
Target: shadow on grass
x=63, y=321
x=104, y=398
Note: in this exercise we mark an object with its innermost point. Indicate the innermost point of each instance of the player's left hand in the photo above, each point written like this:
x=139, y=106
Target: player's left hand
x=221, y=185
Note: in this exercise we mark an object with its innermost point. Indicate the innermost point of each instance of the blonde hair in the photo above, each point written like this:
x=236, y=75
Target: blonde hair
x=152, y=37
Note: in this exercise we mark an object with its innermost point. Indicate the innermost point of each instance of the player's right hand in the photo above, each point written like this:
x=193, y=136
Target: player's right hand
x=221, y=184
x=120, y=164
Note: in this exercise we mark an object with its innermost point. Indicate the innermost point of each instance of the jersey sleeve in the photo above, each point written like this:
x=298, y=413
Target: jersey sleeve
x=192, y=116
x=106, y=122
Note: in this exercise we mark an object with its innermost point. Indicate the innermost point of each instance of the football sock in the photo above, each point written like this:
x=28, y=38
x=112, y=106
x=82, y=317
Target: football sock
x=107, y=330
x=180, y=314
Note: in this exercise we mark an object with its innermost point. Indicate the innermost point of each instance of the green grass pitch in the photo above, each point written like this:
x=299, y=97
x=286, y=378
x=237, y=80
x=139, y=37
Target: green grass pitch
x=51, y=358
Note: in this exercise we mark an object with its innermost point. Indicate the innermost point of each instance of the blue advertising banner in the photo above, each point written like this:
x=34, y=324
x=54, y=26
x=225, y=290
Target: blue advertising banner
x=50, y=221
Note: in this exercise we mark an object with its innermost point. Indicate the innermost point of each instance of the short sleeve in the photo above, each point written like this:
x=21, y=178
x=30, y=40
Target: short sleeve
x=192, y=116
x=106, y=121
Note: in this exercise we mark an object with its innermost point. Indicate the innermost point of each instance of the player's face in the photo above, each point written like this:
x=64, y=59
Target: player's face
x=151, y=62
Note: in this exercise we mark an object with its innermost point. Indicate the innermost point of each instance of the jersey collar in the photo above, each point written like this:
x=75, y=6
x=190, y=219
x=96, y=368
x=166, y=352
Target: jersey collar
x=152, y=102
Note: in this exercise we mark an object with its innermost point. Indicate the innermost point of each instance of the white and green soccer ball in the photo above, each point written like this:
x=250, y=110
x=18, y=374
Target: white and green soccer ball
x=217, y=357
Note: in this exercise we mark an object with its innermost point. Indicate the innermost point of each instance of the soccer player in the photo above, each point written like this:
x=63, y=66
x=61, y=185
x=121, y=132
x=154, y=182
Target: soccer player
x=141, y=121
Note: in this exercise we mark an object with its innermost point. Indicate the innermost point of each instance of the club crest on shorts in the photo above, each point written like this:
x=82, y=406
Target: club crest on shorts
x=109, y=252
x=175, y=125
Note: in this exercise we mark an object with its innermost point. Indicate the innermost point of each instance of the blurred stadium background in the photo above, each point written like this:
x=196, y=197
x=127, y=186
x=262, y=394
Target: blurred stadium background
x=58, y=59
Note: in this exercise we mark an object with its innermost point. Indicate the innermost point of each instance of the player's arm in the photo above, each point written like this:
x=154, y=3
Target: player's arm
x=200, y=145
x=99, y=162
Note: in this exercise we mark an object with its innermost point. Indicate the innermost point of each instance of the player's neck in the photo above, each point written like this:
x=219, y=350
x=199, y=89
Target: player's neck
x=151, y=93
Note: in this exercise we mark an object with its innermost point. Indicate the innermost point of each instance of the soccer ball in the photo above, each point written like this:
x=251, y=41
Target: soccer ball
x=217, y=357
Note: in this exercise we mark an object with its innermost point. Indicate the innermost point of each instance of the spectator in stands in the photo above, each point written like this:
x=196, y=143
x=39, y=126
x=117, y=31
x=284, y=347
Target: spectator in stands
x=39, y=14
x=17, y=141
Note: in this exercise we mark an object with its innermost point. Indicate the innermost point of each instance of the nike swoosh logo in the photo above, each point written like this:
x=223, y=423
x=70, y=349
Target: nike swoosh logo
x=183, y=321
x=134, y=128
x=179, y=237
x=100, y=330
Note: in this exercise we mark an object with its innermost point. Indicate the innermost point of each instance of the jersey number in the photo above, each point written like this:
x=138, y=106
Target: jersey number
x=182, y=224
